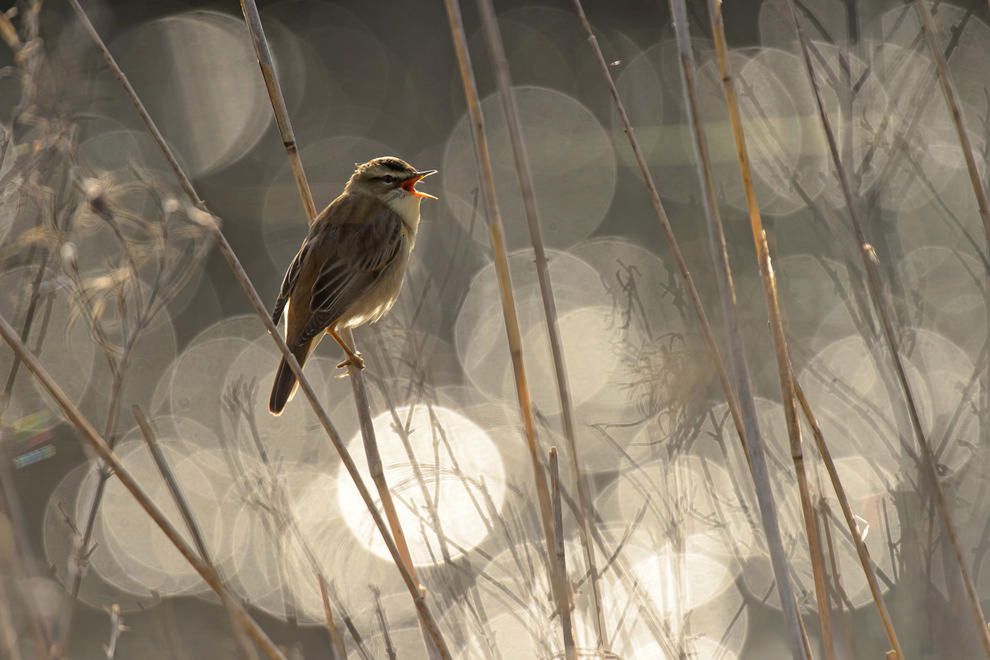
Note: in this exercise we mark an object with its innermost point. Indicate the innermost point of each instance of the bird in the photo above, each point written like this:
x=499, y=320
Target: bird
x=350, y=267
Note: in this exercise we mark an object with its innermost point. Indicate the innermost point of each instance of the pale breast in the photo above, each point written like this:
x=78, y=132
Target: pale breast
x=378, y=299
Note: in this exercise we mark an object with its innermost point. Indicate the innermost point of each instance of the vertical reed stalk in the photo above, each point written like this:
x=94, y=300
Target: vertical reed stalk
x=253, y=21
x=768, y=277
x=503, y=79
x=875, y=287
x=120, y=471
x=745, y=420
x=258, y=306
x=564, y=605
x=862, y=552
x=497, y=237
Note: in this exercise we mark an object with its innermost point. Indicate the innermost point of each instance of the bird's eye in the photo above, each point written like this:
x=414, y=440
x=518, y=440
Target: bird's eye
x=388, y=178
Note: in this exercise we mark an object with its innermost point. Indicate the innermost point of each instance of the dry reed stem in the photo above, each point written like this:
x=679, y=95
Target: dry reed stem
x=564, y=605
x=503, y=79
x=100, y=447
x=955, y=111
x=264, y=54
x=189, y=520
x=782, y=355
x=258, y=306
x=337, y=648
x=497, y=238
x=256, y=29
x=752, y=444
x=875, y=287
x=668, y=231
x=862, y=552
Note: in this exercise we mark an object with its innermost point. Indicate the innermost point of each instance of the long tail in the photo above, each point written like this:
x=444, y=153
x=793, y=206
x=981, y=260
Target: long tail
x=285, y=381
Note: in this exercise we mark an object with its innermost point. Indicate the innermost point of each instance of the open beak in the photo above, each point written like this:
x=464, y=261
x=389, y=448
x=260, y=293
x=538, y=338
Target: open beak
x=409, y=185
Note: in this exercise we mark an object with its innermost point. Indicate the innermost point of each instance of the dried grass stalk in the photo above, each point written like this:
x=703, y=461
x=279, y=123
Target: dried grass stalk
x=744, y=420
x=781, y=353
x=503, y=79
x=497, y=237
x=875, y=288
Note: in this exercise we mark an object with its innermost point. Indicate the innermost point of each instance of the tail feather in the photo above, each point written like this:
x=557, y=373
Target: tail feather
x=285, y=385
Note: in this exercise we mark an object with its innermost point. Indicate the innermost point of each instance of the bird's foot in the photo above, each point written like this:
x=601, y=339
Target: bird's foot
x=353, y=361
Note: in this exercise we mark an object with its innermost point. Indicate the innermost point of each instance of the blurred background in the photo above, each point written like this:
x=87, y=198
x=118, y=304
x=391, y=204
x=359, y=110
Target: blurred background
x=111, y=279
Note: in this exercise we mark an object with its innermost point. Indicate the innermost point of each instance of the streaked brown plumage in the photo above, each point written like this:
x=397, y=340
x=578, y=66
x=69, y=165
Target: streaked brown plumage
x=350, y=267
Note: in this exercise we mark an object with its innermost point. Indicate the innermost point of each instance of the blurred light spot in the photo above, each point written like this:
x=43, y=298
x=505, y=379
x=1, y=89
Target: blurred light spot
x=571, y=158
x=199, y=78
x=437, y=479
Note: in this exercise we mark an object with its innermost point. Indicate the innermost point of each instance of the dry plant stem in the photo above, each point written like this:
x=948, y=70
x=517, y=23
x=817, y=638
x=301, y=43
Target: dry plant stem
x=840, y=493
x=563, y=592
x=875, y=287
x=496, y=49
x=120, y=471
x=253, y=21
x=752, y=444
x=247, y=651
x=784, y=370
x=339, y=652
x=955, y=111
x=374, y=459
x=668, y=231
x=237, y=269
x=264, y=54
x=497, y=238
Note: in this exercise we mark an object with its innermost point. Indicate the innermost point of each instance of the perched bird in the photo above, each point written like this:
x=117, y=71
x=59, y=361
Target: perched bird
x=350, y=267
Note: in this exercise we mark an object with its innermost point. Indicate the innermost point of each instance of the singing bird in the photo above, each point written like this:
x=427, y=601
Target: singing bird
x=350, y=267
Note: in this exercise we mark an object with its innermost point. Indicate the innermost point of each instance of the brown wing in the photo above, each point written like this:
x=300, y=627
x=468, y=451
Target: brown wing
x=358, y=238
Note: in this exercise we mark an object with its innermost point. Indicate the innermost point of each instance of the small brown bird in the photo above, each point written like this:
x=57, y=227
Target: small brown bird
x=349, y=269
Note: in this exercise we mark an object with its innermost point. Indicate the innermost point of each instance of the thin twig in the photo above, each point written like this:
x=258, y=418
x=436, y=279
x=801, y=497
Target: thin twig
x=875, y=287
x=120, y=471
x=500, y=63
x=258, y=306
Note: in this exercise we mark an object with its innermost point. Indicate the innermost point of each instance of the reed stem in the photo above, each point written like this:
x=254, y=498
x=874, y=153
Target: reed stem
x=875, y=288
x=784, y=371
x=497, y=237
x=745, y=420
x=503, y=79
x=564, y=605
